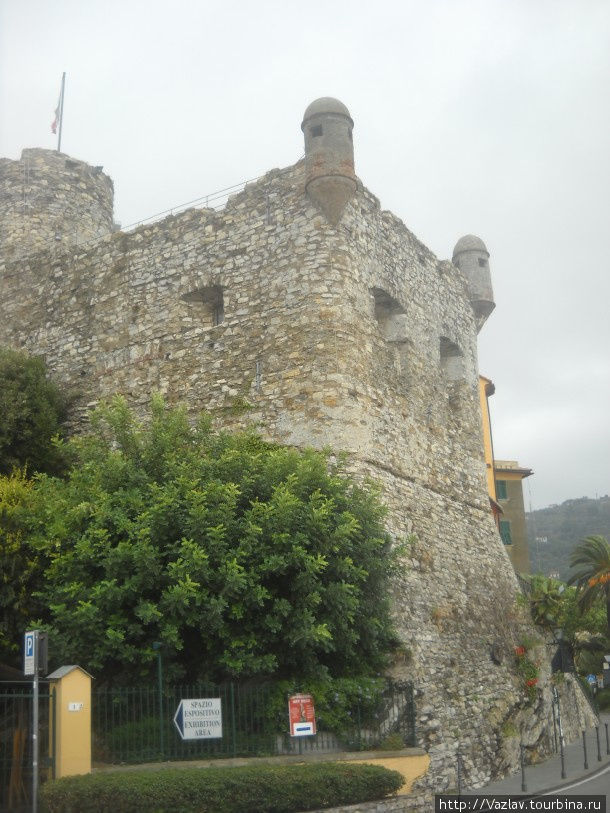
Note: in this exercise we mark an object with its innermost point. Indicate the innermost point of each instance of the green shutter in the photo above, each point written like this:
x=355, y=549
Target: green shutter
x=501, y=490
x=505, y=532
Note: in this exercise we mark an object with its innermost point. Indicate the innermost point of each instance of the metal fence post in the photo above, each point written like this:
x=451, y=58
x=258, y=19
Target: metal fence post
x=157, y=647
x=584, y=748
x=607, y=740
x=35, y=748
x=233, y=726
x=561, y=739
x=411, y=707
x=599, y=752
x=522, y=760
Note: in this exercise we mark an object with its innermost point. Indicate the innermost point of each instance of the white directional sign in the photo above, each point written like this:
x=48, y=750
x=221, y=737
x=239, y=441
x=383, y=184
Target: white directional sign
x=29, y=653
x=199, y=718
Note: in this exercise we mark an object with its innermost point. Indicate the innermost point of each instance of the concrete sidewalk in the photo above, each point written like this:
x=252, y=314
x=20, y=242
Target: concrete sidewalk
x=546, y=776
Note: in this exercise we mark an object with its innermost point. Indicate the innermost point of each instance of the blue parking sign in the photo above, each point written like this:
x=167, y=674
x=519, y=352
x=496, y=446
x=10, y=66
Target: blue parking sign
x=29, y=653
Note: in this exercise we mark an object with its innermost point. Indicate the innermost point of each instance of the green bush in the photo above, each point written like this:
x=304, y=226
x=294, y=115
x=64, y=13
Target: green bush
x=32, y=412
x=249, y=789
x=242, y=559
x=603, y=699
x=134, y=741
x=343, y=705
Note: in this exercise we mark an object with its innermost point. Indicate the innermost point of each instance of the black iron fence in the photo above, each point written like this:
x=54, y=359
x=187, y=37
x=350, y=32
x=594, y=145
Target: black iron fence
x=16, y=743
x=132, y=725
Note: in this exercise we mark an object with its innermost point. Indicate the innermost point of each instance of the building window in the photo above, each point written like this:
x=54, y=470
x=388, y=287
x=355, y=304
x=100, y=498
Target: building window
x=389, y=314
x=392, y=322
x=505, y=532
x=501, y=490
x=451, y=360
x=209, y=300
x=482, y=262
x=315, y=131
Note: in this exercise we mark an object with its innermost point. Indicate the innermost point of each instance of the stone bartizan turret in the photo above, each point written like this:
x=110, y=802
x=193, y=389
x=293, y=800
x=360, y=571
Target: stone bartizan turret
x=329, y=156
x=472, y=258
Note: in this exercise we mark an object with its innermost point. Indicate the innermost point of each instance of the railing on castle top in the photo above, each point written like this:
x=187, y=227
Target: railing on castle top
x=128, y=726
x=215, y=200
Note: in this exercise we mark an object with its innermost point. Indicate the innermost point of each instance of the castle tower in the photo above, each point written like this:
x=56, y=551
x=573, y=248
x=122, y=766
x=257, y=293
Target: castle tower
x=472, y=258
x=329, y=156
x=49, y=201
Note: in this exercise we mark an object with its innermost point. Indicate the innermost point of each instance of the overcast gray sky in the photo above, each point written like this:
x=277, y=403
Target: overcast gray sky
x=489, y=117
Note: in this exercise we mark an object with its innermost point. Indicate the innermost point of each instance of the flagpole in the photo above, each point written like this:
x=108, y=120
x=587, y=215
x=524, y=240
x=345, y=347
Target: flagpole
x=61, y=110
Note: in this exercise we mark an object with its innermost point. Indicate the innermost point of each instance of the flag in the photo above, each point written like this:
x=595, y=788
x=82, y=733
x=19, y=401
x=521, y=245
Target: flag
x=55, y=120
x=58, y=109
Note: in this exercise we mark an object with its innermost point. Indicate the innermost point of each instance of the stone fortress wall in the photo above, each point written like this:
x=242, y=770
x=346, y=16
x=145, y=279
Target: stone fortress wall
x=50, y=201
x=322, y=319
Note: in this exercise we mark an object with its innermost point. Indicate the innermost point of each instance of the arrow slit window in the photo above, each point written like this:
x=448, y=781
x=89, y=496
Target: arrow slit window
x=207, y=305
x=452, y=360
x=393, y=325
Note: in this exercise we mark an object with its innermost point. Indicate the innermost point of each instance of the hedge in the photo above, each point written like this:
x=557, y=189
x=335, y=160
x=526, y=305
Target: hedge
x=247, y=789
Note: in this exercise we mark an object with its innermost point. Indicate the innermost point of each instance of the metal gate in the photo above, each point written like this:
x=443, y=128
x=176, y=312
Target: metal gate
x=16, y=743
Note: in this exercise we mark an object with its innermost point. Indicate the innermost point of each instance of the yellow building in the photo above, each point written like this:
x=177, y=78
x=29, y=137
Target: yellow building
x=505, y=489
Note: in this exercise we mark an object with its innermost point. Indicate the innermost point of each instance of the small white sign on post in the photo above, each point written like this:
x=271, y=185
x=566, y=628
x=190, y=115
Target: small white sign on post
x=199, y=718
x=75, y=706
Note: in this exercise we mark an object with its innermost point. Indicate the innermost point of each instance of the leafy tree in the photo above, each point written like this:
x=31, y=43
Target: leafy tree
x=32, y=410
x=19, y=565
x=591, y=564
x=546, y=601
x=555, y=531
x=555, y=606
x=242, y=558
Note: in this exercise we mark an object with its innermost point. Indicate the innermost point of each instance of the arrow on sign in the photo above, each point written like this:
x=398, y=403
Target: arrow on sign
x=179, y=719
x=199, y=718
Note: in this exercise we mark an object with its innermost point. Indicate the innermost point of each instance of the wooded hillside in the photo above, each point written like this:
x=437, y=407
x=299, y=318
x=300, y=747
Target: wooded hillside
x=554, y=531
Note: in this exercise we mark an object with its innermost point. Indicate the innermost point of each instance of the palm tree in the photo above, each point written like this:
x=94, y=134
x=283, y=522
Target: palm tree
x=591, y=563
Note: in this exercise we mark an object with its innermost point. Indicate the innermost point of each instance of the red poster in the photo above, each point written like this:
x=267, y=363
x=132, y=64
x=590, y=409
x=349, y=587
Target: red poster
x=302, y=715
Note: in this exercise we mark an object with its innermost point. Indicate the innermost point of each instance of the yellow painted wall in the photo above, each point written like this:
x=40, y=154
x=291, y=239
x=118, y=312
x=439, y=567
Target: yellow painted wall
x=73, y=728
x=486, y=389
x=411, y=767
x=513, y=508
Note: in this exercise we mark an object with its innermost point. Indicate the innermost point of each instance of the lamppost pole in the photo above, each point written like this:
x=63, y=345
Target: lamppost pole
x=157, y=648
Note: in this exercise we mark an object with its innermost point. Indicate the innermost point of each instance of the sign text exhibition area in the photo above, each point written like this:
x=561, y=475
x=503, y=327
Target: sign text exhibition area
x=199, y=718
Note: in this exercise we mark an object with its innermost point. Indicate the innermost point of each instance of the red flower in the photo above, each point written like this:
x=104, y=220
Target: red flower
x=519, y=651
x=531, y=682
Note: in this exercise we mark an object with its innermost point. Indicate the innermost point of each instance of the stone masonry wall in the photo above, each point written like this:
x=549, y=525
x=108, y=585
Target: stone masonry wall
x=354, y=337
x=50, y=200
